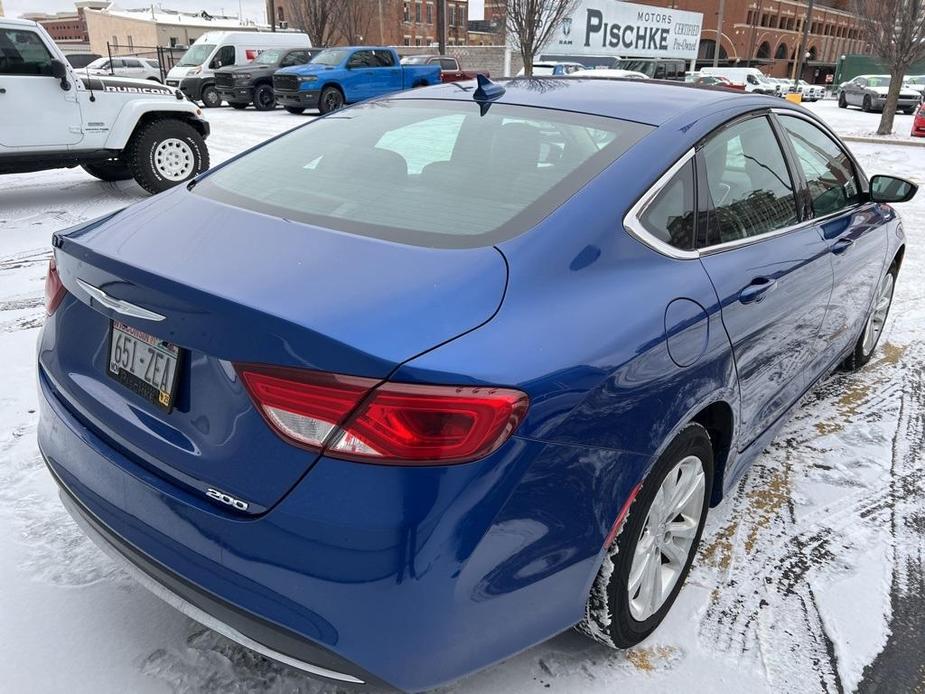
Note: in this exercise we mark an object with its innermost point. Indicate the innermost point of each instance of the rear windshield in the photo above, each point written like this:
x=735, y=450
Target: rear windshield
x=431, y=173
x=268, y=57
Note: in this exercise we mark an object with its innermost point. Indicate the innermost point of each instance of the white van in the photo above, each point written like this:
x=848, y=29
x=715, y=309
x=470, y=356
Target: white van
x=751, y=78
x=194, y=74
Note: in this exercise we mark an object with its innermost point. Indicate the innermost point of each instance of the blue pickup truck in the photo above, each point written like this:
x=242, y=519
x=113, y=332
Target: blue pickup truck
x=339, y=76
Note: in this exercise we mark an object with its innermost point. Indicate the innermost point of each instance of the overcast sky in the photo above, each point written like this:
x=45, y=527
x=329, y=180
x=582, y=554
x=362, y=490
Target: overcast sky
x=252, y=9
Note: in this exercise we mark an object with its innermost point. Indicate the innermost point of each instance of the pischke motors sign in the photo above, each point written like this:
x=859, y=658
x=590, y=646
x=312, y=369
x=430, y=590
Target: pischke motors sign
x=628, y=30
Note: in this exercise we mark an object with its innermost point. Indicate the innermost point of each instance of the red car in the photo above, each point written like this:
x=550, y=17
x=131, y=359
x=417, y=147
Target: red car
x=449, y=67
x=918, y=125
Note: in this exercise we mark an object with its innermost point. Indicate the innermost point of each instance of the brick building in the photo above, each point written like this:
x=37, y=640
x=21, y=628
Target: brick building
x=64, y=27
x=393, y=22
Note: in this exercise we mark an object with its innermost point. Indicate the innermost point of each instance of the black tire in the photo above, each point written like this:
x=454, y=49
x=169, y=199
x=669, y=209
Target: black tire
x=332, y=99
x=237, y=105
x=609, y=617
x=143, y=155
x=909, y=111
x=863, y=351
x=210, y=97
x=264, y=99
x=295, y=110
x=842, y=101
x=866, y=104
x=108, y=170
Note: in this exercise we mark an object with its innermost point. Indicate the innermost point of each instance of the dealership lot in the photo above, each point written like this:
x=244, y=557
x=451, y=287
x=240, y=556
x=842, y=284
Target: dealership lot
x=802, y=575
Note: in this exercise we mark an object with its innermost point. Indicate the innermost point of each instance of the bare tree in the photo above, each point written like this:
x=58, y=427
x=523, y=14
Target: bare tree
x=354, y=20
x=317, y=18
x=895, y=30
x=531, y=23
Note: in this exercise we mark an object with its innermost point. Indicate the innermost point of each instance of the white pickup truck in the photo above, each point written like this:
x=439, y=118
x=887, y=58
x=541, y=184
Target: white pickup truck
x=52, y=116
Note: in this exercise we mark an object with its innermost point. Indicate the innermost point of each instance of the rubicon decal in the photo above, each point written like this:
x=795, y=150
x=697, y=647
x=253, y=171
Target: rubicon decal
x=135, y=90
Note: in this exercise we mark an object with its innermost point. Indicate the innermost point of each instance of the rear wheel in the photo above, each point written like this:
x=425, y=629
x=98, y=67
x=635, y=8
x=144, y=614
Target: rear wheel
x=264, y=100
x=166, y=152
x=873, y=328
x=645, y=568
x=842, y=101
x=295, y=109
x=108, y=170
x=210, y=97
x=331, y=100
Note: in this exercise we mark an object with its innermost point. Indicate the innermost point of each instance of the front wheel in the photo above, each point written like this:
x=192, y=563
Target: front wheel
x=867, y=105
x=909, y=111
x=264, y=99
x=165, y=153
x=331, y=100
x=645, y=567
x=873, y=328
x=108, y=170
x=842, y=101
x=210, y=97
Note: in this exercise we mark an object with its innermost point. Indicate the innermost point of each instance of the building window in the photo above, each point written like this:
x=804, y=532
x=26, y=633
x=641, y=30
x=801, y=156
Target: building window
x=430, y=13
x=115, y=41
x=280, y=15
x=406, y=12
x=417, y=42
x=452, y=15
x=131, y=45
x=407, y=41
x=173, y=41
x=417, y=12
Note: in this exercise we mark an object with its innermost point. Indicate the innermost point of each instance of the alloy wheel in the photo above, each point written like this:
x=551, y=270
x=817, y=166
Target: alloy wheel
x=877, y=318
x=666, y=539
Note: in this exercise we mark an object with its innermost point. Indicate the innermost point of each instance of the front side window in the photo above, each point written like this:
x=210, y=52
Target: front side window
x=430, y=173
x=670, y=216
x=23, y=53
x=749, y=187
x=196, y=55
x=223, y=58
x=829, y=173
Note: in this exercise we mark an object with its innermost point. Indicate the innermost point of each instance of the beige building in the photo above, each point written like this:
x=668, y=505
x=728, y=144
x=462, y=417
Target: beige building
x=140, y=31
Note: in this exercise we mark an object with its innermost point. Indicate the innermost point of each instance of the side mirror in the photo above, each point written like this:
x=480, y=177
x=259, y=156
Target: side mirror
x=891, y=189
x=59, y=72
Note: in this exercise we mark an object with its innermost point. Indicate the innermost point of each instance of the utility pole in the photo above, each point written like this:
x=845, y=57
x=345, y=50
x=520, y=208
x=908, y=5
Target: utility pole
x=798, y=63
x=271, y=15
x=719, y=32
x=381, y=30
x=441, y=26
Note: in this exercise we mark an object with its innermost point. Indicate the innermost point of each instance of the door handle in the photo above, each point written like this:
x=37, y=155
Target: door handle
x=842, y=245
x=757, y=289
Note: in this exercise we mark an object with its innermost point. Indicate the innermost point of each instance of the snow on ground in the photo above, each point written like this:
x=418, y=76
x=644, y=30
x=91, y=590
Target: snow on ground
x=852, y=122
x=809, y=578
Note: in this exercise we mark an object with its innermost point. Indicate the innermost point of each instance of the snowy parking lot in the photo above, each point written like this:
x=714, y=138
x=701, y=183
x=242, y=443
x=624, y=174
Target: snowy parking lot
x=809, y=579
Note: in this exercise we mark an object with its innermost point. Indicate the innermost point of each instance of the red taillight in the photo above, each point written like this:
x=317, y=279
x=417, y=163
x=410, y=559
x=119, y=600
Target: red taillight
x=54, y=290
x=403, y=424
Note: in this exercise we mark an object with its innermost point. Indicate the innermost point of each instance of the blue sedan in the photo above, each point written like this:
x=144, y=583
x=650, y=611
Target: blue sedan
x=423, y=383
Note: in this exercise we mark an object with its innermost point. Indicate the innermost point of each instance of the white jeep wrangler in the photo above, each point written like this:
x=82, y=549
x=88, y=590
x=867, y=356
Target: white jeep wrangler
x=53, y=117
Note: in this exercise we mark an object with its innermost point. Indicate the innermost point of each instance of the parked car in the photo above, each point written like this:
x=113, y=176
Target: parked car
x=918, y=125
x=253, y=83
x=610, y=73
x=194, y=74
x=869, y=92
x=450, y=71
x=79, y=60
x=751, y=79
x=136, y=68
x=716, y=81
x=810, y=92
x=340, y=76
x=915, y=83
x=548, y=69
x=654, y=68
x=52, y=118
x=373, y=455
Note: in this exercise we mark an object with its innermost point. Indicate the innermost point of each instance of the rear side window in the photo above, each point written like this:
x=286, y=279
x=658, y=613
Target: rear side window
x=670, y=216
x=829, y=173
x=448, y=64
x=431, y=173
x=371, y=59
x=23, y=53
x=749, y=187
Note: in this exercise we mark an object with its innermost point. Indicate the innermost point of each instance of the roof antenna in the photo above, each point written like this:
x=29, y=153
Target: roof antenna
x=486, y=92
x=89, y=83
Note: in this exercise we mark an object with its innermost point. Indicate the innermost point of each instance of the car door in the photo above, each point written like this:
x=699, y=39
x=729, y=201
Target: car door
x=851, y=227
x=34, y=110
x=770, y=267
x=360, y=82
x=854, y=91
x=387, y=74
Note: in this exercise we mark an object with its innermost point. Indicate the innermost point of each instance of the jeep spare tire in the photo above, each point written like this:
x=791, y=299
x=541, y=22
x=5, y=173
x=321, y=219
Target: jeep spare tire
x=165, y=153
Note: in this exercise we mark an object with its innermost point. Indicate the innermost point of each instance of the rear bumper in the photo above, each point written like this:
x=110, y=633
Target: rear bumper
x=226, y=619
x=306, y=99
x=412, y=577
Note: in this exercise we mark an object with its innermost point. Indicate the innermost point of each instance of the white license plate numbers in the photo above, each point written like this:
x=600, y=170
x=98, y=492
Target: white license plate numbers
x=144, y=364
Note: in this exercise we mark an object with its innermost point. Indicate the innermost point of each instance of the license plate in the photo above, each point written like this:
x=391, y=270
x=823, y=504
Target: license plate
x=144, y=364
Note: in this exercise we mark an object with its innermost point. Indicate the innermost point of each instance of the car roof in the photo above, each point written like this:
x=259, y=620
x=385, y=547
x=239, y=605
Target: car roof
x=652, y=102
x=17, y=22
